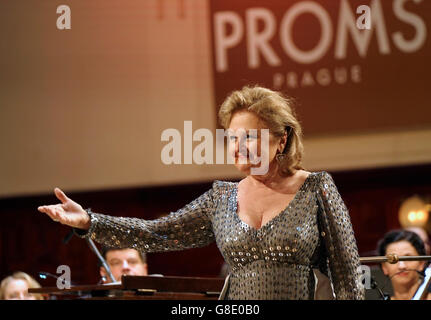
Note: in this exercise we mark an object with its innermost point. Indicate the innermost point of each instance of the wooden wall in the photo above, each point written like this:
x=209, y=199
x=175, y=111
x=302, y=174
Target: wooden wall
x=31, y=242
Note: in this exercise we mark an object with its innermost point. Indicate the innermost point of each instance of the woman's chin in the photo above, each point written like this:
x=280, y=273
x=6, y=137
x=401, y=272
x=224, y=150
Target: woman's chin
x=251, y=169
x=244, y=168
x=404, y=279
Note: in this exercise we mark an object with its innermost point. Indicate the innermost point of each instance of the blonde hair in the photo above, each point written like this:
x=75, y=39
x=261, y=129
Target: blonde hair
x=31, y=282
x=277, y=112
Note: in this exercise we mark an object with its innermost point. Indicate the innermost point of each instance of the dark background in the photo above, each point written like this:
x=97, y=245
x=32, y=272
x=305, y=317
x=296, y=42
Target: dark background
x=31, y=242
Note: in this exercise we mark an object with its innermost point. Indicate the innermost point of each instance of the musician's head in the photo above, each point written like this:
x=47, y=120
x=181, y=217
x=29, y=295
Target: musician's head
x=15, y=287
x=245, y=113
x=402, y=243
x=123, y=262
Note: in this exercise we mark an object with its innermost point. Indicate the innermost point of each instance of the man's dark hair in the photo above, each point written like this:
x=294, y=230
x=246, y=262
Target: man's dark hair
x=104, y=250
x=400, y=235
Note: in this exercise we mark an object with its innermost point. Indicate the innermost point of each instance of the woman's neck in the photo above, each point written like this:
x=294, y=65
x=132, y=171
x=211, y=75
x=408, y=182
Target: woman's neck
x=403, y=292
x=271, y=179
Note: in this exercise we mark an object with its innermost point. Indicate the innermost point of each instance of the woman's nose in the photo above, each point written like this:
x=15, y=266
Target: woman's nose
x=236, y=145
x=241, y=146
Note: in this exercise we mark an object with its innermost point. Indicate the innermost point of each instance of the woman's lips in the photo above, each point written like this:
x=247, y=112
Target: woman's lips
x=241, y=155
x=237, y=157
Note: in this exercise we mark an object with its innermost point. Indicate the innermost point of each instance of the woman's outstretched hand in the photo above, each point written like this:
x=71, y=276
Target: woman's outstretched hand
x=68, y=212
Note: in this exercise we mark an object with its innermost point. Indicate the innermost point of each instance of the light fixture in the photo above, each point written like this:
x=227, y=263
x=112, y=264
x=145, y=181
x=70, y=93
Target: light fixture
x=415, y=212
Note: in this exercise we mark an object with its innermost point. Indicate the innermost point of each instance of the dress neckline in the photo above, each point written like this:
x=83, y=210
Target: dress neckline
x=271, y=221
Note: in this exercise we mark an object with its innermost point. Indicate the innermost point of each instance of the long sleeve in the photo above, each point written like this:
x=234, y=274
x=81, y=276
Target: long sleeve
x=189, y=227
x=340, y=242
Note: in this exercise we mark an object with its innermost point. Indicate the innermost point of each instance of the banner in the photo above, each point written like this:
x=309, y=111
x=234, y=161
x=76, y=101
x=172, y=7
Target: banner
x=354, y=66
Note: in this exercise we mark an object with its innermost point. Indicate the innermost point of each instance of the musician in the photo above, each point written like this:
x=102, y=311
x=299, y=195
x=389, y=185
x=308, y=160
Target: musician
x=279, y=229
x=15, y=287
x=405, y=276
x=123, y=261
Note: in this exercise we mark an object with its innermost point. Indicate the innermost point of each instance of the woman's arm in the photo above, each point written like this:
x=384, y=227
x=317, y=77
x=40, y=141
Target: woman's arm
x=340, y=242
x=189, y=227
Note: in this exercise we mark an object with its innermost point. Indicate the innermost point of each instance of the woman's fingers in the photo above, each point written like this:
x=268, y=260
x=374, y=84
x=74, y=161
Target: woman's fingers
x=43, y=209
x=51, y=211
x=67, y=212
x=60, y=195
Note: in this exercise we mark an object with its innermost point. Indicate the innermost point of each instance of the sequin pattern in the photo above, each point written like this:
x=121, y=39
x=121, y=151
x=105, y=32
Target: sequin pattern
x=274, y=262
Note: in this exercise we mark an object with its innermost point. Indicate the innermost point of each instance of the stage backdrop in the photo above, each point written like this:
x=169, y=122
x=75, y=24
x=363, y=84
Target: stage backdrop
x=84, y=108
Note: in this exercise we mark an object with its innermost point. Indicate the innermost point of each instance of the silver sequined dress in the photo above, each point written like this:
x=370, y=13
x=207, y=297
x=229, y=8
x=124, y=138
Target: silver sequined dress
x=277, y=261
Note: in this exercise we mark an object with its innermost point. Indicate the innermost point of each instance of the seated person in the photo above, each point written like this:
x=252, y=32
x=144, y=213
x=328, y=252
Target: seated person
x=15, y=287
x=405, y=276
x=123, y=261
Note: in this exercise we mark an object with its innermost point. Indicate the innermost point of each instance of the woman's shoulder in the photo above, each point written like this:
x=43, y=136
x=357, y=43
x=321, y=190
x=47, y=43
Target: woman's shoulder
x=312, y=175
x=219, y=183
x=223, y=186
x=321, y=180
x=321, y=176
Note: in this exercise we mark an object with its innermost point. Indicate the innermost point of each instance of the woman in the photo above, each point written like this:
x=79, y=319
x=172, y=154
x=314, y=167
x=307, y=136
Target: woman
x=405, y=276
x=15, y=287
x=281, y=232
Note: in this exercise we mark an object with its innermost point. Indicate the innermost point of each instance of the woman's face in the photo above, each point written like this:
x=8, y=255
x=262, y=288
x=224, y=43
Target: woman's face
x=403, y=272
x=246, y=141
x=17, y=289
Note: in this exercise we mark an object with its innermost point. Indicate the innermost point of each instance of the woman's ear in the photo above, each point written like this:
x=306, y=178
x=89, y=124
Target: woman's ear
x=282, y=143
x=421, y=266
